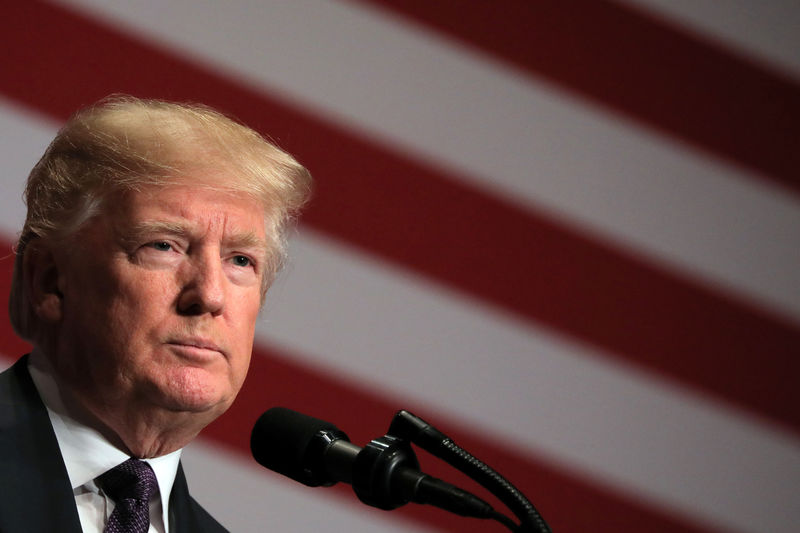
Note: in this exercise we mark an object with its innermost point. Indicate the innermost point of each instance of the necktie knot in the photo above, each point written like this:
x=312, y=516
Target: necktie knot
x=130, y=485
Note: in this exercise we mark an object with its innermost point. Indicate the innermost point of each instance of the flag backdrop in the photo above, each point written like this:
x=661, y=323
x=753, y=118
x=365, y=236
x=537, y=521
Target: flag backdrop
x=565, y=232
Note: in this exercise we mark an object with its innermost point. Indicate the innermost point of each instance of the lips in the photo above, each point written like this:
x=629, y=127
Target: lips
x=196, y=348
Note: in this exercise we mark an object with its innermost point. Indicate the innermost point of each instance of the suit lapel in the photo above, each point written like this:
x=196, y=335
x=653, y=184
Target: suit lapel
x=185, y=514
x=37, y=495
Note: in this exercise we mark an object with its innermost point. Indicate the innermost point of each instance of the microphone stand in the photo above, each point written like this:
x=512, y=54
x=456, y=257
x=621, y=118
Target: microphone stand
x=381, y=469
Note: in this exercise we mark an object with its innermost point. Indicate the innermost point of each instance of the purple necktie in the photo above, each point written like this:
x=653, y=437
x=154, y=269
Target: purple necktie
x=130, y=485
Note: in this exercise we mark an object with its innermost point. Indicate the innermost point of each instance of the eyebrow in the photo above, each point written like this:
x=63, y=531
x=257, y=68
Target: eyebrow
x=244, y=239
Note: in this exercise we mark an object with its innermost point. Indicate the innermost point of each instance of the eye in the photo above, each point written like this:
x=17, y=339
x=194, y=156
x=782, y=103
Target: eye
x=161, y=246
x=241, y=260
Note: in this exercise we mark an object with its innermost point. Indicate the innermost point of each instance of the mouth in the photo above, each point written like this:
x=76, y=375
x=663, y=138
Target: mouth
x=196, y=349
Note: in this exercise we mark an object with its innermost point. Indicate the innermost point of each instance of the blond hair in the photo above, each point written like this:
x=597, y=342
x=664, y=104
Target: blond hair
x=124, y=143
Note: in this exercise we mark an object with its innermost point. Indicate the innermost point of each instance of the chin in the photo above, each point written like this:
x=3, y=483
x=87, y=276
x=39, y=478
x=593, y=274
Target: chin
x=196, y=391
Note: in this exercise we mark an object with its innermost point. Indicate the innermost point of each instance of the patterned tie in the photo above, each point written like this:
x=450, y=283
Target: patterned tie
x=130, y=485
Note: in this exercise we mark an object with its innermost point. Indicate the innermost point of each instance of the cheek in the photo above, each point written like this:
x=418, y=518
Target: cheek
x=243, y=331
x=137, y=310
x=120, y=287
x=147, y=291
x=244, y=343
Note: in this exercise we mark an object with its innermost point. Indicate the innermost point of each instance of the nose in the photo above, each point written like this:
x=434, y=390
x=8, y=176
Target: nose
x=204, y=287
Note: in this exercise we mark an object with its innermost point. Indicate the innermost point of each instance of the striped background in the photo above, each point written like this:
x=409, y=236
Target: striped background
x=565, y=232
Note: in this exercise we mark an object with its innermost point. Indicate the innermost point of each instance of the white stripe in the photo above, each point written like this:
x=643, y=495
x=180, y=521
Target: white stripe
x=24, y=138
x=504, y=131
x=765, y=30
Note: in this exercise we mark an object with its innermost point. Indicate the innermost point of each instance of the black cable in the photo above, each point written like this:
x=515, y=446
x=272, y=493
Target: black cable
x=496, y=484
x=412, y=428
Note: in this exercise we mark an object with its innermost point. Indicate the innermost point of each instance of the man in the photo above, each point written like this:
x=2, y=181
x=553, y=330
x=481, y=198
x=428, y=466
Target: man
x=153, y=232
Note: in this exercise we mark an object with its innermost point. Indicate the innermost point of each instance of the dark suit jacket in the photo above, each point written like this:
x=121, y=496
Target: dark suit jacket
x=36, y=493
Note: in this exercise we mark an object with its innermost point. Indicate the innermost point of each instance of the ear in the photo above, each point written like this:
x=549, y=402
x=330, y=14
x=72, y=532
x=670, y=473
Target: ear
x=43, y=282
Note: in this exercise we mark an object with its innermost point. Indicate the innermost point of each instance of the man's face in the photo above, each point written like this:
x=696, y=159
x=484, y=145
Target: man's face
x=161, y=293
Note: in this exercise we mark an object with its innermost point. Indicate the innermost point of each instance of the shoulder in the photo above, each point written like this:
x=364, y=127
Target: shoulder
x=15, y=381
x=30, y=460
x=19, y=401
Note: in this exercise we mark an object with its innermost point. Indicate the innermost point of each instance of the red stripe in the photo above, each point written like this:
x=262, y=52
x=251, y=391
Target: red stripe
x=653, y=72
x=568, y=503
x=426, y=220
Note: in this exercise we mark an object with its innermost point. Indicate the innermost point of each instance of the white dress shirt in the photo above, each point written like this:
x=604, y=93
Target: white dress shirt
x=87, y=455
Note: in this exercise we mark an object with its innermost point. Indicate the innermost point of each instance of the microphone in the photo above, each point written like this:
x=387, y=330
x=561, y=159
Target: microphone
x=384, y=474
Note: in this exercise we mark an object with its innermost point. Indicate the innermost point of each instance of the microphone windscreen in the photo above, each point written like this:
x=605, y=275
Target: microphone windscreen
x=284, y=441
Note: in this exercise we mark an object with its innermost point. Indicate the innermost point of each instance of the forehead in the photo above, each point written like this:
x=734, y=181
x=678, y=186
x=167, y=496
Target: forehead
x=190, y=207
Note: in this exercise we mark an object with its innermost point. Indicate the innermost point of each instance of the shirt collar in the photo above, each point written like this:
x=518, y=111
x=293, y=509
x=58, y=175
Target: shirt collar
x=86, y=452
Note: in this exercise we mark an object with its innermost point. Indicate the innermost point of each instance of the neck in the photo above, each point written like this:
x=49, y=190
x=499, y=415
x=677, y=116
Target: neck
x=145, y=435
